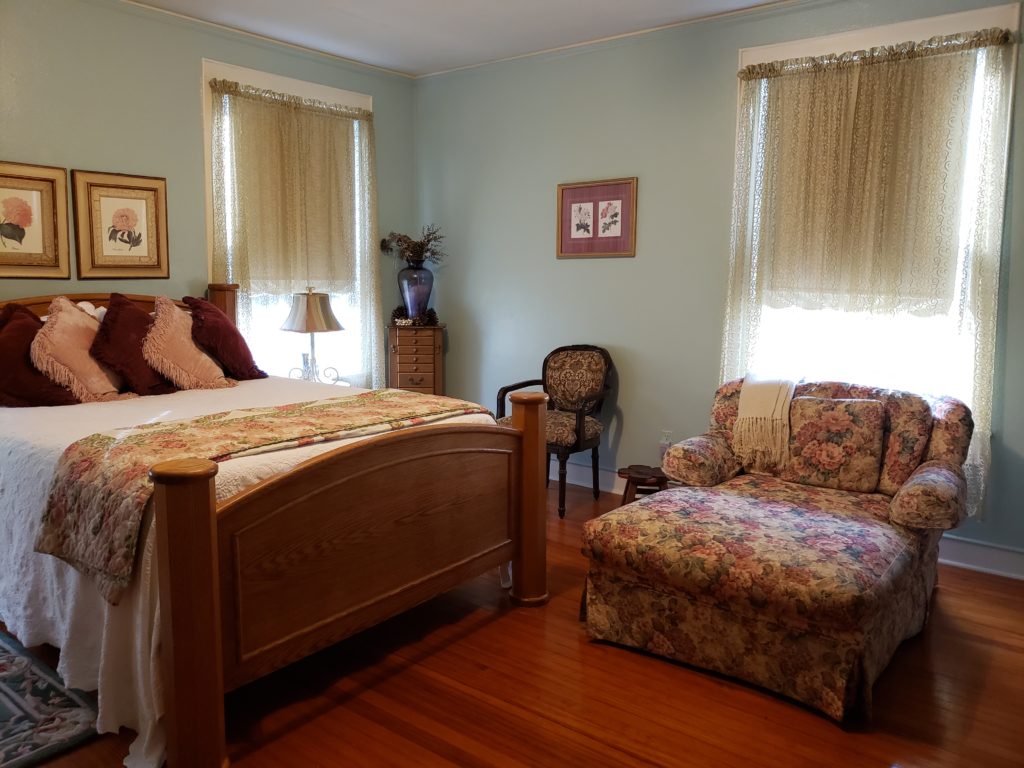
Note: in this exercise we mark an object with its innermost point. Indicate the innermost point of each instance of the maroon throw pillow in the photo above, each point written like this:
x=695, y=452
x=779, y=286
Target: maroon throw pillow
x=214, y=332
x=21, y=385
x=118, y=345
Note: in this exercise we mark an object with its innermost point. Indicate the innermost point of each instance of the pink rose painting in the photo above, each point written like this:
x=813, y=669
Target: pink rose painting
x=15, y=218
x=122, y=228
x=611, y=223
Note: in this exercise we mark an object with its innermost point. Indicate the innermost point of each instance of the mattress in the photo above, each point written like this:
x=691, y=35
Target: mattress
x=107, y=648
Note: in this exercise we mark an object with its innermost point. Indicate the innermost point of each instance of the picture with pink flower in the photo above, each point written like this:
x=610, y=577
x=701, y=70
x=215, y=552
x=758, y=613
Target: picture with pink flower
x=122, y=228
x=610, y=218
x=125, y=223
x=19, y=220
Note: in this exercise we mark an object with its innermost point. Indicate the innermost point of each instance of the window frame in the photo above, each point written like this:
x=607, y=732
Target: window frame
x=257, y=79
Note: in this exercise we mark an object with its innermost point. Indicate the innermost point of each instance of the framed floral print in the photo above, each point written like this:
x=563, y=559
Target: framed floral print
x=34, y=221
x=597, y=218
x=120, y=225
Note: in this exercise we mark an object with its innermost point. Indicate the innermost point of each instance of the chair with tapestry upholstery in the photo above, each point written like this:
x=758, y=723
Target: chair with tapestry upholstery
x=575, y=379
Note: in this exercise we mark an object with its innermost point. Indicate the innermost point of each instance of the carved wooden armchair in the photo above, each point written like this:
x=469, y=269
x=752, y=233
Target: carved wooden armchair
x=575, y=379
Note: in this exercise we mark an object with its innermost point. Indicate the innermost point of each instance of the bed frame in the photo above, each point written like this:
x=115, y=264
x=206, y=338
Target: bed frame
x=274, y=573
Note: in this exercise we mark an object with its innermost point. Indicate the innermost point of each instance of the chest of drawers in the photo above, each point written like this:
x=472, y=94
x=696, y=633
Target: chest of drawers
x=416, y=358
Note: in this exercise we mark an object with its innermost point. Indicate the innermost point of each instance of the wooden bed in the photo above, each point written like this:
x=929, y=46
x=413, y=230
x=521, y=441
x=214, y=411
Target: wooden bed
x=274, y=573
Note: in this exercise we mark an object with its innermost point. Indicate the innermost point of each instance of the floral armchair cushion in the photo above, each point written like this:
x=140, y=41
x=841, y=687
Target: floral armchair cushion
x=934, y=497
x=907, y=426
x=705, y=460
x=924, y=444
x=835, y=443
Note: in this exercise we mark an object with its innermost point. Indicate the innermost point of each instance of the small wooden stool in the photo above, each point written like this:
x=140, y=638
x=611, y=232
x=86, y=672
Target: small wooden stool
x=642, y=479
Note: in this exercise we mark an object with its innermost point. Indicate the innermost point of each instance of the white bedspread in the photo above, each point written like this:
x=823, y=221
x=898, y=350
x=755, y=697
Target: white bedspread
x=113, y=649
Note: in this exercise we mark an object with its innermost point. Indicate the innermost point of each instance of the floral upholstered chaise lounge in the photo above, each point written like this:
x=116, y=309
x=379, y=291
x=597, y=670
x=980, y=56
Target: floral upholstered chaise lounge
x=803, y=579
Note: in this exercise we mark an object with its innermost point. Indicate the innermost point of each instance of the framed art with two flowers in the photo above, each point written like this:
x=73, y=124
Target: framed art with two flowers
x=120, y=225
x=597, y=218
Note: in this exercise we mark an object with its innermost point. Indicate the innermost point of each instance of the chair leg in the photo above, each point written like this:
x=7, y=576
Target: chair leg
x=547, y=470
x=593, y=463
x=562, y=459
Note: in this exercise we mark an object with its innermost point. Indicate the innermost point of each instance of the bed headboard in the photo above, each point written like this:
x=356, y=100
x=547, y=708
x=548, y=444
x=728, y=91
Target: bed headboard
x=220, y=294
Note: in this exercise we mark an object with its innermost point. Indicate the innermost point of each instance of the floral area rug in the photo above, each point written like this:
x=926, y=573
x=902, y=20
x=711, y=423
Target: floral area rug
x=39, y=717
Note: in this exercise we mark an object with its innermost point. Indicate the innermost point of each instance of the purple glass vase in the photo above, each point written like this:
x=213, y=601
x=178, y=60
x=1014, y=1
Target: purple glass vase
x=415, y=281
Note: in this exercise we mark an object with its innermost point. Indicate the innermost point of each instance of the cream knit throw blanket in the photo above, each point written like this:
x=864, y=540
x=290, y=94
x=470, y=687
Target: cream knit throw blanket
x=760, y=437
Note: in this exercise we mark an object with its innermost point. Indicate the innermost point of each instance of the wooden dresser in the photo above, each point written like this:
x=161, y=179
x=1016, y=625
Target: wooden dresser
x=416, y=358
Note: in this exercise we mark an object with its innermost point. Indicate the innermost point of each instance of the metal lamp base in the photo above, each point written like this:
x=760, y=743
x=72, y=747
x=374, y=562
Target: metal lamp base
x=310, y=371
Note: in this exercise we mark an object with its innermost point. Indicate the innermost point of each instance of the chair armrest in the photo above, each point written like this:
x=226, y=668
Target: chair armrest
x=934, y=496
x=503, y=393
x=704, y=460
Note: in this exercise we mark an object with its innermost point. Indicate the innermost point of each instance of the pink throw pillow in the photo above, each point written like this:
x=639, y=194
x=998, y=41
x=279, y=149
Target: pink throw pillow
x=60, y=351
x=170, y=350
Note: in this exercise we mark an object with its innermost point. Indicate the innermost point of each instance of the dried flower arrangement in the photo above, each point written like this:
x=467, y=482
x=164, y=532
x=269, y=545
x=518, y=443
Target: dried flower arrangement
x=400, y=316
x=415, y=252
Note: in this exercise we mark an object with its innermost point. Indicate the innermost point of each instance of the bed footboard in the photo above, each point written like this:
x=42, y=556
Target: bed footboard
x=334, y=546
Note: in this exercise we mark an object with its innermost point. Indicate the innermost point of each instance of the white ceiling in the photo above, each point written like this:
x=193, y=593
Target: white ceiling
x=420, y=37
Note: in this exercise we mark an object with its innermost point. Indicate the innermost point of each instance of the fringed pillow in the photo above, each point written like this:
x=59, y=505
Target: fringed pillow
x=61, y=351
x=170, y=350
x=214, y=332
x=118, y=345
x=21, y=385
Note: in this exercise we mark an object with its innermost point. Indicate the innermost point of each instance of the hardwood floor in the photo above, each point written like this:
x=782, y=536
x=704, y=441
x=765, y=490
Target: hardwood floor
x=467, y=680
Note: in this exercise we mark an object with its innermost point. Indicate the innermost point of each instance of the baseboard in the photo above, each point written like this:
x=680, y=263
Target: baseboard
x=986, y=558
x=577, y=474
x=961, y=553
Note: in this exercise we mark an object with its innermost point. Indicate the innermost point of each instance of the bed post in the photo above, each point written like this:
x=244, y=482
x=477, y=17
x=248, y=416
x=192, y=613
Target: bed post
x=190, y=632
x=529, y=568
x=224, y=296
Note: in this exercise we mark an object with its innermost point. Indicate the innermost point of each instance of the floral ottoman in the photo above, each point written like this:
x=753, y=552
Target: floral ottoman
x=806, y=591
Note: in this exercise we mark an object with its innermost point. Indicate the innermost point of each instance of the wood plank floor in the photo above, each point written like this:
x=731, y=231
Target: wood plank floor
x=467, y=680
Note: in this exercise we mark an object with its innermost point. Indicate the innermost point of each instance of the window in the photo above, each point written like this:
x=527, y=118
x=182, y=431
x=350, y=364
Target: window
x=867, y=219
x=292, y=205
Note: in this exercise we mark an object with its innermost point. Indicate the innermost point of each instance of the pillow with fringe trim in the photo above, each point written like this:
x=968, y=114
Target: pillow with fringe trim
x=60, y=351
x=171, y=352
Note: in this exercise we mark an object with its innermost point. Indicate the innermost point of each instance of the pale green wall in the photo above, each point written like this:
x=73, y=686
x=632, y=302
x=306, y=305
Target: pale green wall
x=105, y=86
x=493, y=142
x=102, y=85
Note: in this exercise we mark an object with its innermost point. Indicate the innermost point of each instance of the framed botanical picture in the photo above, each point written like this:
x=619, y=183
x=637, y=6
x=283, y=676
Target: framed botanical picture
x=120, y=225
x=597, y=218
x=33, y=221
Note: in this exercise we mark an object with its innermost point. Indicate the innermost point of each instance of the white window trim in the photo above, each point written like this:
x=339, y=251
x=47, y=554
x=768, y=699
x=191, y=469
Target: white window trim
x=257, y=79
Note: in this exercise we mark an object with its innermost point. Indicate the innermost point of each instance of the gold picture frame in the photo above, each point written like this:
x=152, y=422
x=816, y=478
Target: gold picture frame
x=120, y=225
x=34, y=221
x=596, y=219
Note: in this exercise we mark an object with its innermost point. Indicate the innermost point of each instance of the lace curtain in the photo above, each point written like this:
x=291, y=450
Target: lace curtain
x=874, y=182
x=294, y=203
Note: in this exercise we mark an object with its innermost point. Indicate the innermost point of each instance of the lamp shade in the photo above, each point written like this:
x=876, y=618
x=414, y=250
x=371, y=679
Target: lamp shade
x=311, y=313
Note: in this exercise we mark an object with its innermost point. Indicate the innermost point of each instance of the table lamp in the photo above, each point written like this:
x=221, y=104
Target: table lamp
x=311, y=313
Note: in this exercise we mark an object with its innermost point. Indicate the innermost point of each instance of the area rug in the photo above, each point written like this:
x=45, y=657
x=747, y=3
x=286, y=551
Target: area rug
x=39, y=717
